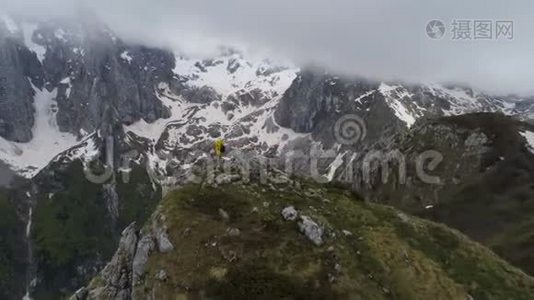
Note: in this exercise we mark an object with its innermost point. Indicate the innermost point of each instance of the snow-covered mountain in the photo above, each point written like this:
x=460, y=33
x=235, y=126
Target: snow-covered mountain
x=74, y=97
x=78, y=78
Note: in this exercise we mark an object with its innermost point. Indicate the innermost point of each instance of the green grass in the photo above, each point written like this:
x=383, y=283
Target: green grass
x=387, y=256
x=72, y=226
x=486, y=193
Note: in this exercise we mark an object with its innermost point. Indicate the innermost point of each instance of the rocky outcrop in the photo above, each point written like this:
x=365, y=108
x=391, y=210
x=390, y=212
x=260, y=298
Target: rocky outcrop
x=290, y=213
x=307, y=226
x=314, y=97
x=127, y=268
x=117, y=275
x=316, y=101
x=313, y=231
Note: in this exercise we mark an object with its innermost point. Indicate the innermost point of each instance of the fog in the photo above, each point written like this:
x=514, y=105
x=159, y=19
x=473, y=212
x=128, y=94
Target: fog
x=383, y=39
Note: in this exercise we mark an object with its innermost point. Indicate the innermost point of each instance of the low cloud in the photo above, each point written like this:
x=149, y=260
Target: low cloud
x=384, y=39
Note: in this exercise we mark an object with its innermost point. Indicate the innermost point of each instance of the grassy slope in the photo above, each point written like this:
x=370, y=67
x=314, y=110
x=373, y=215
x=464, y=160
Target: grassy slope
x=70, y=226
x=489, y=197
x=387, y=255
x=496, y=205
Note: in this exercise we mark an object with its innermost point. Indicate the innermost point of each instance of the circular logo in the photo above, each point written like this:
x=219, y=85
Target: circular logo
x=435, y=29
x=349, y=129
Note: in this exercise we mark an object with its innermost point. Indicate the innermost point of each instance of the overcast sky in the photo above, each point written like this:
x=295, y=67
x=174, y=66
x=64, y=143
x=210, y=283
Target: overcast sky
x=385, y=39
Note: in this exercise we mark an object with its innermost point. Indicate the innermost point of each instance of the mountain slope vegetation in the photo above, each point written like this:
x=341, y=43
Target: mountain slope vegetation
x=234, y=241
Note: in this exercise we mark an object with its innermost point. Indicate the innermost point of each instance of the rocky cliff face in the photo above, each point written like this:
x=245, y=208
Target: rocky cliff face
x=315, y=101
x=126, y=270
x=85, y=78
x=19, y=68
x=97, y=79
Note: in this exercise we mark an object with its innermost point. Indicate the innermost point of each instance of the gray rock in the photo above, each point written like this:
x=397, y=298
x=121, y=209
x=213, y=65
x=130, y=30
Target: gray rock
x=164, y=245
x=81, y=294
x=346, y=232
x=203, y=95
x=224, y=215
x=127, y=267
x=161, y=275
x=233, y=232
x=117, y=273
x=227, y=178
x=233, y=65
x=214, y=131
x=312, y=230
x=290, y=213
x=144, y=249
x=227, y=106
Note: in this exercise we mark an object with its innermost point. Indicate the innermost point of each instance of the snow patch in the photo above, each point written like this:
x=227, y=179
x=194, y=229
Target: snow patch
x=281, y=137
x=29, y=29
x=29, y=158
x=460, y=100
x=334, y=166
x=185, y=113
x=230, y=74
x=126, y=56
x=393, y=95
x=154, y=130
x=78, y=51
x=86, y=151
x=529, y=136
x=60, y=35
x=69, y=86
x=402, y=113
x=360, y=98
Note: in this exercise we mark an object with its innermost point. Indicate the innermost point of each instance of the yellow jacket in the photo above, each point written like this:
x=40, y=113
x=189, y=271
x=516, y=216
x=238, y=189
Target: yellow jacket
x=219, y=147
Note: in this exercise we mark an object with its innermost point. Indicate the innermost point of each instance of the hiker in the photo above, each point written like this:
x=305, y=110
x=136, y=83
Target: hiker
x=219, y=148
